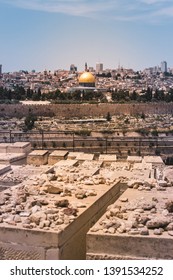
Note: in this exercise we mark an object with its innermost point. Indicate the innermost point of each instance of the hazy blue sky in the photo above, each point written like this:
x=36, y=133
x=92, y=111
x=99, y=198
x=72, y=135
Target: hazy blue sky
x=52, y=34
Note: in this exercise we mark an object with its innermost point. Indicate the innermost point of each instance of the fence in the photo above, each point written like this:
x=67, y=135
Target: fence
x=122, y=146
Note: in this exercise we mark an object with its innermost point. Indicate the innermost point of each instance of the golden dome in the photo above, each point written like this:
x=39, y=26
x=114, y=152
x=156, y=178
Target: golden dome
x=87, y=77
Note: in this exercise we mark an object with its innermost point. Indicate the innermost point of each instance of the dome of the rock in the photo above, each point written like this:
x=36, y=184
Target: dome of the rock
x=87, y=80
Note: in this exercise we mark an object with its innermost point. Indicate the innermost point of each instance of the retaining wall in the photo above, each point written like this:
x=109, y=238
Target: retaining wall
x=84, y=110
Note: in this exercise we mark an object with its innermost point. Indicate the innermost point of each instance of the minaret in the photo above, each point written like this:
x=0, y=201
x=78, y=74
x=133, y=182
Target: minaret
x=86, y=68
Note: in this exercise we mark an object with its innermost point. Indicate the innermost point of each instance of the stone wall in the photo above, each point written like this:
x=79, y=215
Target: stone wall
x=84, y=110
x=17, y=243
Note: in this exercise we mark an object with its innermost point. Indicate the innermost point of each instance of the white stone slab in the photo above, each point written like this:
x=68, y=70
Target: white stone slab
x=134, y=159
x=73, y=155
x=153, y=159
x=19, y=147
x=69, y=162
x=11, y=158
x=84, y=156
x=108, y=158
x=56, y=156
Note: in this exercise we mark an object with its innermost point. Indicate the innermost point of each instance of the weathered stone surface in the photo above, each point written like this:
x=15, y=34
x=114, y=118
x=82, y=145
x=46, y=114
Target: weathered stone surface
x=28, y=226
x=169, y=206
x=160, y=188
x=51, y=211
x=148, y=205
x=19, y=208
x=153, y=210
x=80, y=194
x=121, y=229
x=53, y=189
x=147, y=188
x=2, y=200
x=91, y=193
x=169, y=227
x=61, y=203
x=136, y=186
x=165, y=212
x=88, y=182
x=37, y=217
x=70, y=211
x=144, y=231
x=157, y=231
x=8, y=219
x=113, y=212
x=123, y=199
x=162, y=183
x=133, y=231
x=111, y=230
x=95, y=229
x=17, y=219
x=158, y=222
x=140, y=188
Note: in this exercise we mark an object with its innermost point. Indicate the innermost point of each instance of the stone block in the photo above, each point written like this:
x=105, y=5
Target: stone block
x=12, y=158
x=134, y=159
x=108, y=158
x=3, y=147
x=19, y=147
x=38, y=157
x=57, y=155
x=154, y=160
x=66, y=163
x=73, y=155
x=52, y=254
x=83, y=156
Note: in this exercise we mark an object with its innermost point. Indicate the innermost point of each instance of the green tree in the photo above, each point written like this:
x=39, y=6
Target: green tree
x=29, y=121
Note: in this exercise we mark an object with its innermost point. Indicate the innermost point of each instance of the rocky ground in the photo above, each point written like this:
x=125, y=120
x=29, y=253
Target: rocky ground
x=144, y=209
x=47, y=201
x=51, y=201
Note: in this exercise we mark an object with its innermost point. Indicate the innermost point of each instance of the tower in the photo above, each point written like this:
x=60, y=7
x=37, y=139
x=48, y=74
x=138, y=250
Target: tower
x=99, y=67
x=164, y=66
x=0, y=69
x=86, y=67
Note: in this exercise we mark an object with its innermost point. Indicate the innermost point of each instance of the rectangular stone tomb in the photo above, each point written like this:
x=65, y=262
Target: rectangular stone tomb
x=12, y=158
x=108, y=158
x=19, y=147
x=3, y=147
x=83, y=156
x=67, y=243
x=118, y=235
x=66, y=163
x=134, y=159
x=55, y=156
x=155, y=160
x=4, y=168
x=38, y=157
x=73, y=155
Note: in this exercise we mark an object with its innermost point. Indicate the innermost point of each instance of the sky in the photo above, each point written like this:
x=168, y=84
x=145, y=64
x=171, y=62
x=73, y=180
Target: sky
x=52, y=34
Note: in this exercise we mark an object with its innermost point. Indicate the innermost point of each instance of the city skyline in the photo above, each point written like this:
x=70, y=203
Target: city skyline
x=53, y=34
